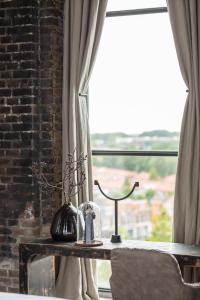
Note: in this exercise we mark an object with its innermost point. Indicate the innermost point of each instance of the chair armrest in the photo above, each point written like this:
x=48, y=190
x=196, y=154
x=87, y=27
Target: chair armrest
x=195, y=285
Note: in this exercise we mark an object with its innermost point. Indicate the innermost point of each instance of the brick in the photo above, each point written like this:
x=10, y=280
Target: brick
x=5, y=144
x=21, y=20
x=5, y=21
x=12, y=66
x=27, y=100
x=21, y=144
x=22, y=127
x=3, y=273
x=13, y=152
x=20, y=38
x=11, y=136
x=5, y=57
x=19, y=30
x=24, y=74
x=12, y=48
x=28, y=65
x=29, y=118
x=6, y=39
x=12, y=101
x=21, y=109
x=13, y=290
x=5, y=75
x=4, y=230
x=13, y=273
x=5, y=92
x=4, y=163
x=28, y=47
x=23, y=56
x=2, y=222
x=2, y=30
x=2, y=67
x=2, y=13
x=5, y=127
x=13, y=222
x=2, y=83
x=10, y=119
x=31, y=12
x=13, y=83
x=30, y=3
x=2, y=49
x=2, y=187
x=3, y=288
x=22, y=179
x=5, y=109
x=22, y=162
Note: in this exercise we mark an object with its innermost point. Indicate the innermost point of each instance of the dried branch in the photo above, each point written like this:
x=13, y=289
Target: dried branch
x=73, y=176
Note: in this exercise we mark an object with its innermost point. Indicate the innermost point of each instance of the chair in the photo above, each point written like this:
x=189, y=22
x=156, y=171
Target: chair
x=139, y=274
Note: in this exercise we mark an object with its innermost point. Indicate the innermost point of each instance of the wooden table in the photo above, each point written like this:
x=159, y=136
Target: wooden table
x=185, y=254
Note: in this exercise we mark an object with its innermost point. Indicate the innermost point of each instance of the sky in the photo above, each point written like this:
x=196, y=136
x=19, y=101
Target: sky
x=136, y=84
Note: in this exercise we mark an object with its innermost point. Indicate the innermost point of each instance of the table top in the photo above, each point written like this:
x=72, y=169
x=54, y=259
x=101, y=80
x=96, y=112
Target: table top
x=15, y=296
x=50, y=247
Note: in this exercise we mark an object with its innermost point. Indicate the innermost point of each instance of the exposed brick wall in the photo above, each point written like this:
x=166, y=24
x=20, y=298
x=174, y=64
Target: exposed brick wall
x=30, y=122
x=51, y=49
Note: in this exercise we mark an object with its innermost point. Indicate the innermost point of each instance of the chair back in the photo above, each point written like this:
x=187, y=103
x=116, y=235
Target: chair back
x=139, y=274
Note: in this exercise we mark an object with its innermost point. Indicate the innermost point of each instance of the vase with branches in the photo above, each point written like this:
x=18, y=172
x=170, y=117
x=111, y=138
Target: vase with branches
x=64, y=224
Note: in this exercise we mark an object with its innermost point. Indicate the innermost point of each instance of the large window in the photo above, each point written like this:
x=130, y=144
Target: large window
x=136, y=98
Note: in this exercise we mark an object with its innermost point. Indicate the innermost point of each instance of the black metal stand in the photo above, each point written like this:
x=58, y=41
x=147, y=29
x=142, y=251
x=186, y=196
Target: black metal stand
x=116, y=238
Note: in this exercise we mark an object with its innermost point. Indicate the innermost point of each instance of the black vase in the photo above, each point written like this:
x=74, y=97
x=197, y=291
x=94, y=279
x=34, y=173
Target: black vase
x=63, y=227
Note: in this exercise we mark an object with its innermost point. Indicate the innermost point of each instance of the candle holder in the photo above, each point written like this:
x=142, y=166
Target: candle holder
x=88, y=225
x=116, y=238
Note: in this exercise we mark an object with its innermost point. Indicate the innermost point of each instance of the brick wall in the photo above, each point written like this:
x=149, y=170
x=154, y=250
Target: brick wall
x=30, y=122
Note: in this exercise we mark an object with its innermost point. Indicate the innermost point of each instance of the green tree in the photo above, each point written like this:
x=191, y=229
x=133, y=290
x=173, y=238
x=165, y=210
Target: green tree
x=104, y=273
x=123, y=232
x=149, y=194
x=158, y=166
x=162, y=229
x=126, y=186
x=153, y=174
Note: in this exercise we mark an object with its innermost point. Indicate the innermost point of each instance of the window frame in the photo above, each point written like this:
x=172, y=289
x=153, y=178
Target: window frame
x=123, y=13
x=155, y=153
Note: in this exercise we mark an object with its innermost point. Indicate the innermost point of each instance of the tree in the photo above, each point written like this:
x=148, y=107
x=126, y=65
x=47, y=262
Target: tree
x=153, y=174
x=162, y=231
x=123, y=232
x=126, y=186
x=150, y=193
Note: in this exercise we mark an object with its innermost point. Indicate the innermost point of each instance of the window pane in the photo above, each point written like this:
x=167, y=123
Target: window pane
x=147, y=214
x=134, y=4
x=103, y=273
x=136, y=85
x=149, y=140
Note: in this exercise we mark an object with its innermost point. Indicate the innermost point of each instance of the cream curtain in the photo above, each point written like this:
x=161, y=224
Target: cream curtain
x=83, y=22
x=185, y=22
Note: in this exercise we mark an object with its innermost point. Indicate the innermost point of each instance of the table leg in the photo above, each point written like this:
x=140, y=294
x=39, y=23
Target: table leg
x=24, y=257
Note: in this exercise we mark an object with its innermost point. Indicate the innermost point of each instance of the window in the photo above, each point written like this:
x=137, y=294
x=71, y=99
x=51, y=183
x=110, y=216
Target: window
x=136, y=104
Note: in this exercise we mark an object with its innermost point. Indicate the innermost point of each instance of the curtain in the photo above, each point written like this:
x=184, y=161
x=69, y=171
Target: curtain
x=185, y=22
x=83, y=22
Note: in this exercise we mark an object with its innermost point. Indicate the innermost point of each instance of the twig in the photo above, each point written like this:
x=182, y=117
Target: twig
x=73, y=176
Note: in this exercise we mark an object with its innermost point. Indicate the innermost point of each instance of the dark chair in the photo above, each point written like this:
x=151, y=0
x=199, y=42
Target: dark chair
x=139, y=274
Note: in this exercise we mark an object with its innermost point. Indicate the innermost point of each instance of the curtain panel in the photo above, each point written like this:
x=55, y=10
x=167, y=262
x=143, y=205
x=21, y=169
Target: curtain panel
x=185, y=22
x=83, y=23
